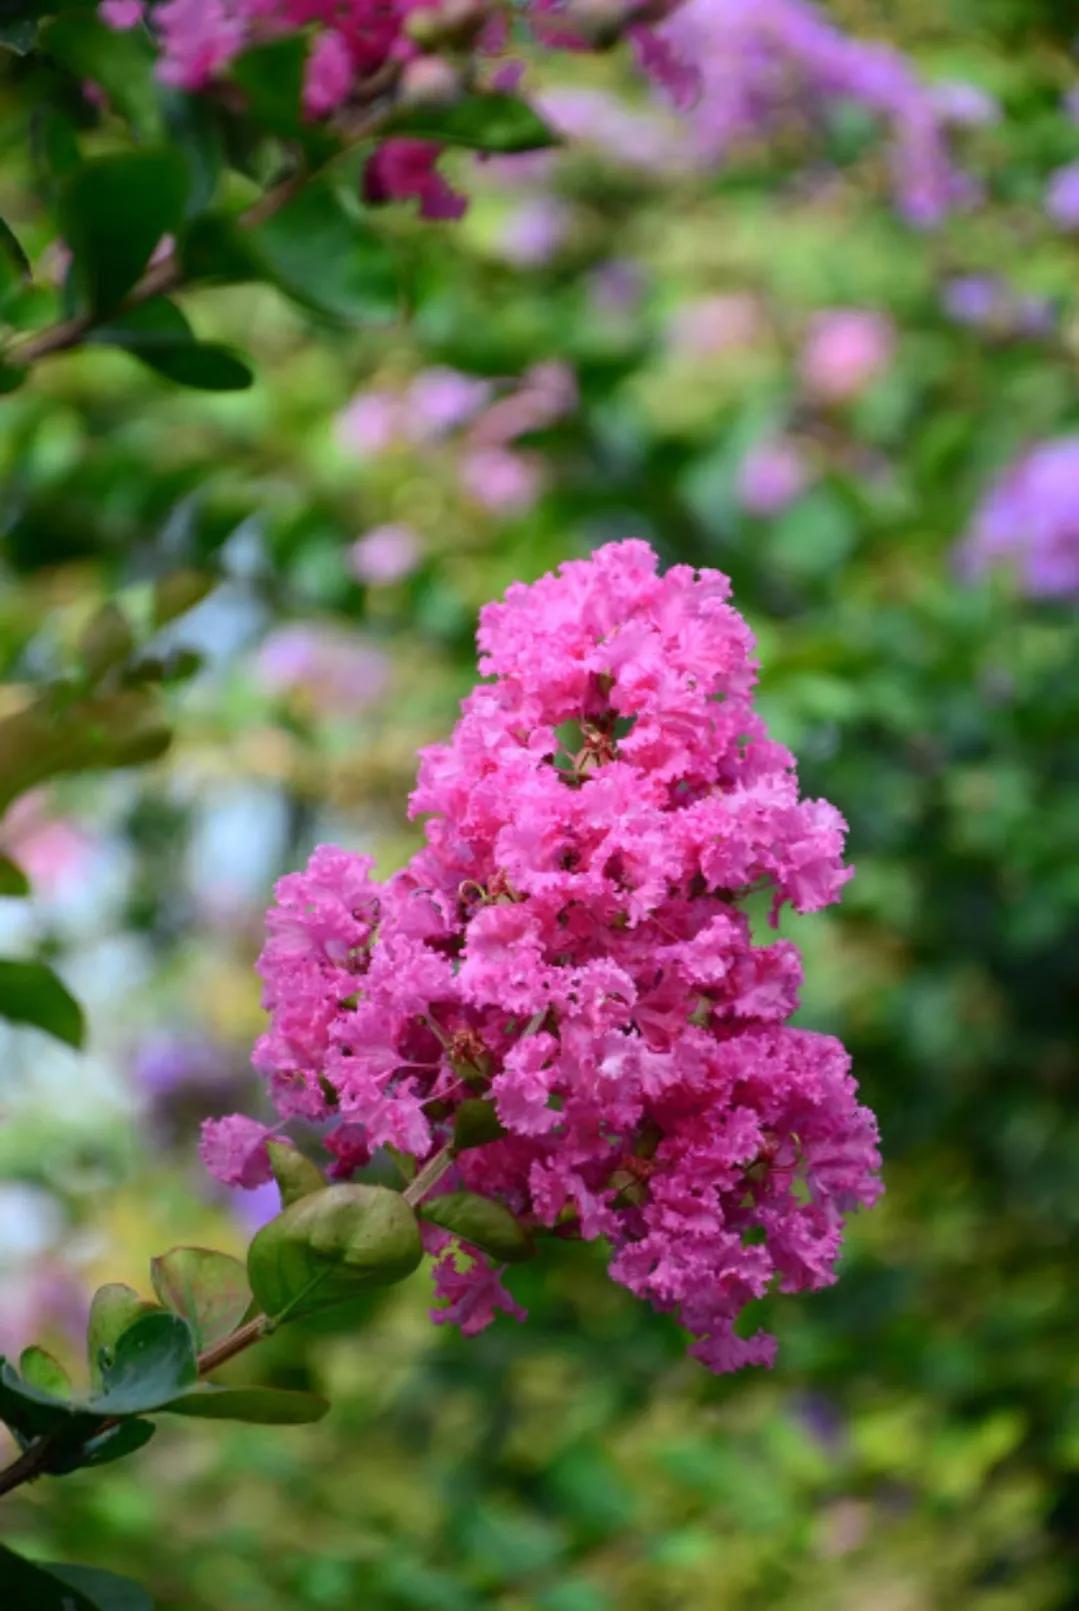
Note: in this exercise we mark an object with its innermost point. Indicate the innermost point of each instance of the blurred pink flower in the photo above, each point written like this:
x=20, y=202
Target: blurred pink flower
x=544, y=394
x=845, y=351
x=503, y=481
x=50, y=850
x=439, y=399
x=371, y=423
x=771, y=476
x=534, y=231
x=716, y=324
x=338, y=671
x=386, y=554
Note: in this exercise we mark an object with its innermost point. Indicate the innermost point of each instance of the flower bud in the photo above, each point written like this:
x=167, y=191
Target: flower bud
x=430, y=81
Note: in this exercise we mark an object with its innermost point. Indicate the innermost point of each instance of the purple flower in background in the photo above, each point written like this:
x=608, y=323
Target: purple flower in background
x=121, y=14
x=255, y=1208
x=771, y=476
x=985, y=302
x=763, y=64
x=1062, y=197
x=630, y=137
x=387, y=554
x=168, y=1063
x=546, y=393
x=336, y=671
x=617, y=287
x=534, y=231
x=964, y=105
x=1030, y=523
x=440, y=399
x=503, y=481
x=845, y=351
x=973, y=299
x=1070, y=103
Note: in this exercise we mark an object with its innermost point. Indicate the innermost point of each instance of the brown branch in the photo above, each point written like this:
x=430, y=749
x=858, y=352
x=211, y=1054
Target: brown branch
x=168, y=274
x=34, y=1460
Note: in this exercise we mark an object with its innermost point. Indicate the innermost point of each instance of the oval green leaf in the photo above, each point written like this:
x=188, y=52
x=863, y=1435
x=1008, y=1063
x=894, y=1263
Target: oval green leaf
x=207, y=1289
x=481, y=1221
x=31, y=993
x=153, y=1361
x=327, y=1247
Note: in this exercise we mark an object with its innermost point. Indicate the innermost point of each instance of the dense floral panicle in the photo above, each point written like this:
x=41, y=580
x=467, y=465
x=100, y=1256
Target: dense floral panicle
x=1029, y=523
x=764, y=65
x=572, y=943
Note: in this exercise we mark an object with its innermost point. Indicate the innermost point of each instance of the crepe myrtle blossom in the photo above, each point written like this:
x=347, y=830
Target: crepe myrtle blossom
x=572, y=944
x=771, y=476
x=845, y=351
x=736, y=69
x=1029, y=524
x=761, y=66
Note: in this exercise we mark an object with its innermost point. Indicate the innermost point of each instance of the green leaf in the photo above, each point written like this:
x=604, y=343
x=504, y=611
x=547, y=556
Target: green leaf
x=179, y=592
x=33, y=1412
x=209, y=1290
x=191, y=121
x=153, y=1361
x=104, y=1590
x=113, y=211
x=113, y=1309
x=57, y=734
x=328, y=258
x=117, y=1443
x=42, y=1371
x=261, y=1406
x=106, y=640
x=19, y=34
x=11, y=247
x=498, y=123
x=296, y=1176
x=215, y=248
x=481, y=1221
x=13, y=881
x=28, y=1587
x=271, y=76
x=11, y=377
x=121, y=62
x=326, y=1248
x=158, y=334
x=31, y=993
x=474, y=1123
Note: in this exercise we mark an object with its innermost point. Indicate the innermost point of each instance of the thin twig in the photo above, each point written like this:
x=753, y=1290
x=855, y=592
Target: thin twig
x=429, y=1175
x=168, y=274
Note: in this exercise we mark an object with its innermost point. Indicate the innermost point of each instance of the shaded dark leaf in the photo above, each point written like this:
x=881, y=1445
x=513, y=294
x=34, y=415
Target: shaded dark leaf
x=113, y=211
x=261, y=1406
x=153, y=1361
x=31, y=993
x=497, y=123
x=328, y=258
x=13, y=881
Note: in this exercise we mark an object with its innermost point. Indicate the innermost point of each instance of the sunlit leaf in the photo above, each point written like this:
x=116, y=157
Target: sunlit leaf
x=327, y=1247
x=207, y=1289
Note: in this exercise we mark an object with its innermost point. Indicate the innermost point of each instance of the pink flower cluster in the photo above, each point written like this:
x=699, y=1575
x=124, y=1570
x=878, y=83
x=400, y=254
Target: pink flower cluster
x=573, y=943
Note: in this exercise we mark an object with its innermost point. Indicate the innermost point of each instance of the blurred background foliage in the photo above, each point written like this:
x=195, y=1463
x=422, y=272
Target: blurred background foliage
x=643, y=331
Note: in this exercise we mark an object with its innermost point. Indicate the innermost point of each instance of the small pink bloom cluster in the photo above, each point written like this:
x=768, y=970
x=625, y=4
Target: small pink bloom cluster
x=573, y=943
